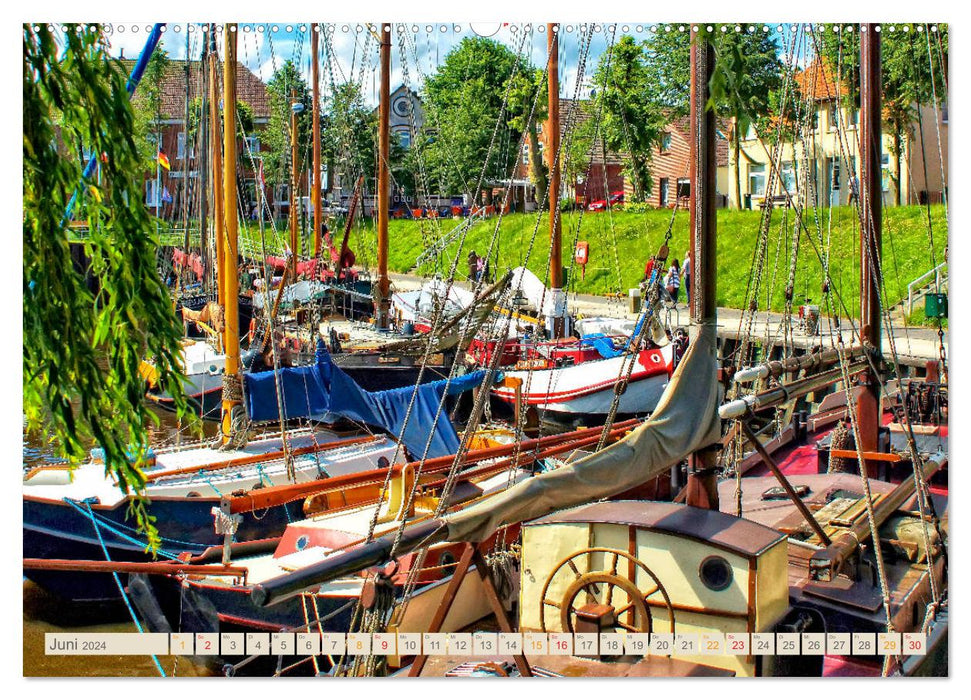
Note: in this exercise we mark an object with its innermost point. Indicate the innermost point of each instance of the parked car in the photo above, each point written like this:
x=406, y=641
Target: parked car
x=616, y=199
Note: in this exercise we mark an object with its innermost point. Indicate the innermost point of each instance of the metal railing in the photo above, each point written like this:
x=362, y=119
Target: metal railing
x=921, y=288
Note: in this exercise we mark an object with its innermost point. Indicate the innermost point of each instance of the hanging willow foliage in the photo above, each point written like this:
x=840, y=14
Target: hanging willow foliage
x=82, y=351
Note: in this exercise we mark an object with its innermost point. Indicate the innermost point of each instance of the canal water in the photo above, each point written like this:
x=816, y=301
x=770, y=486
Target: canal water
x=45, y=613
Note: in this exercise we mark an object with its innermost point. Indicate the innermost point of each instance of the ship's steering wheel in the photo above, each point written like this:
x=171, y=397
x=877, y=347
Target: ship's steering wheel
x=599, y=588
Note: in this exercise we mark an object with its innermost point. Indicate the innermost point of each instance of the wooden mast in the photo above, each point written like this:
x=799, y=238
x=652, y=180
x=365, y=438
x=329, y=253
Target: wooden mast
x=553, y=191
x=232, y=388
x=871, y=141
x=315, y=192
x=217, y=172
x=702, y=488
x=295, y=109
x=382, y=202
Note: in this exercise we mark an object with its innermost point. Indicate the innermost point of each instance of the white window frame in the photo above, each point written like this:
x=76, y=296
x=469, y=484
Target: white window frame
x=152, y=198
x=788, y=178
x=253, y=144
x=756, y=179
x=664, y=185
x=665, y=142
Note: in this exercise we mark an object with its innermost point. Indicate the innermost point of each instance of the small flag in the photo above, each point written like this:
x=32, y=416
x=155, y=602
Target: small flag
x=166, y=197
x=163, y=159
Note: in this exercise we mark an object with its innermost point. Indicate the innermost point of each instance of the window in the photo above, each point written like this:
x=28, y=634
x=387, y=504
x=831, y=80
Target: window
x=684, y=188
x=854, y=118
x=151, y=193
x=281, y=194
x=788, y=176
x=886, y=178
x=253, y=144
x=665, y=142
x=663, y=192
x=756, y=179
x=834, y=117
x=944, y=113
x=404, y=138
x=180, y=147
x=525, y=154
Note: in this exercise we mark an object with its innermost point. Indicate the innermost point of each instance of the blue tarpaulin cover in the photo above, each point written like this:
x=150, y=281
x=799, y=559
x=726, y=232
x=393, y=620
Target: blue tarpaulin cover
x=602, y=344
x=324, y=388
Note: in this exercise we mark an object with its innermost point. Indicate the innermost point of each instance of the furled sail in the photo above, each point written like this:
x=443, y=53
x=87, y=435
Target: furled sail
x=461, y=328
x=324, y=388
x=686, y=419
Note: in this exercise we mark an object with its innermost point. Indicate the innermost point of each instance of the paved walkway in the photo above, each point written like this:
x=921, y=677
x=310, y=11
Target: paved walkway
x=915, y=345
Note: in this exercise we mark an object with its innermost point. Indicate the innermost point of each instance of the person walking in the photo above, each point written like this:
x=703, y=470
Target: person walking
x=648, y=270
x=473, y=260
x=686, y=274
x=672, y=283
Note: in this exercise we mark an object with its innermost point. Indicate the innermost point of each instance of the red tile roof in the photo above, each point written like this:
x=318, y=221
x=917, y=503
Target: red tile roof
x=818, y=81
x=249, y=88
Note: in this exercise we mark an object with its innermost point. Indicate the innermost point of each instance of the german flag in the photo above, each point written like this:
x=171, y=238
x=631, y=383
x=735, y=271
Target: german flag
x=163, y=159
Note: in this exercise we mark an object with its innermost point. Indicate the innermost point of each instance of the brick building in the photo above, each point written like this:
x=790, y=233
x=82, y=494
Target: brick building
x=604, y=174
x=166, y=191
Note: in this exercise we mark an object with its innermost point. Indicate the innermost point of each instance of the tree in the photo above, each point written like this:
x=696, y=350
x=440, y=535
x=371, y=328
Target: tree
x=349, y=133
x=528, y=107
x=632, y=120
x=74, y=99
x=466, y=134
x=914, y=68
x=747, y=72
x=276, y=137
x=148, y=109
x=745, y=84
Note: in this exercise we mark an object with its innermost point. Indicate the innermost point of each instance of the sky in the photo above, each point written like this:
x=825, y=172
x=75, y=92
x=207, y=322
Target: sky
x=349, y=51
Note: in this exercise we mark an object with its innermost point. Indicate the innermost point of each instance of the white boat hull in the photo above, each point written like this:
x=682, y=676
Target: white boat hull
x=588, y=388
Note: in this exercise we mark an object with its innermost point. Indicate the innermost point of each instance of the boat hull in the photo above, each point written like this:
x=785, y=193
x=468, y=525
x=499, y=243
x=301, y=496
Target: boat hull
x=60, y=530
x=588, y=389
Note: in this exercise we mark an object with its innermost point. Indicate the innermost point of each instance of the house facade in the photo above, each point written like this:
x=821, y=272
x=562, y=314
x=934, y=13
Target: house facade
x=604, y=173
x=169, y=191
x=824, y=167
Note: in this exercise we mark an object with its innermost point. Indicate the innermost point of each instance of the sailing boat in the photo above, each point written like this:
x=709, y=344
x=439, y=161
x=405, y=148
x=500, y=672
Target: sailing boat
x=636, y=566
x=72, y=513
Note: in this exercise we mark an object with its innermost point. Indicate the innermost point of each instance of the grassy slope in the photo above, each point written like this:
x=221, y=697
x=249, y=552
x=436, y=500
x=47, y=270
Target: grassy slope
x=621, y=242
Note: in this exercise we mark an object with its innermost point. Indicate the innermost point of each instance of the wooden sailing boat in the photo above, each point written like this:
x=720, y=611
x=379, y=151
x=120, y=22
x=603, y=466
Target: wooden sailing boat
x=81, y=515
x=652, y=567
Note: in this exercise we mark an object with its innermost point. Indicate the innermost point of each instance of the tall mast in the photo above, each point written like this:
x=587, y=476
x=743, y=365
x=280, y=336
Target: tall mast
x=204, y=165
x=702, y=490
x=232, y=388
x=315, y=192
x=218, y=220
x=871, y=141
x=384, y=151
x=295, y=109
x=553, y=191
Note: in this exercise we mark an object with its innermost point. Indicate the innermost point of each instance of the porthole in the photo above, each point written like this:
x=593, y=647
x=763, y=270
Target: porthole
x=716, y=573
x=447, y=559
x=302, y=542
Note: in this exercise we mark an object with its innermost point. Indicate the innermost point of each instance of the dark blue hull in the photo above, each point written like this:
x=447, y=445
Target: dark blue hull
x=59, y=530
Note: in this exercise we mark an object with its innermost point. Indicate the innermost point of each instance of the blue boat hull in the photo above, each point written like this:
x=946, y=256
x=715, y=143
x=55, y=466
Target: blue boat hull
x=60, y=530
